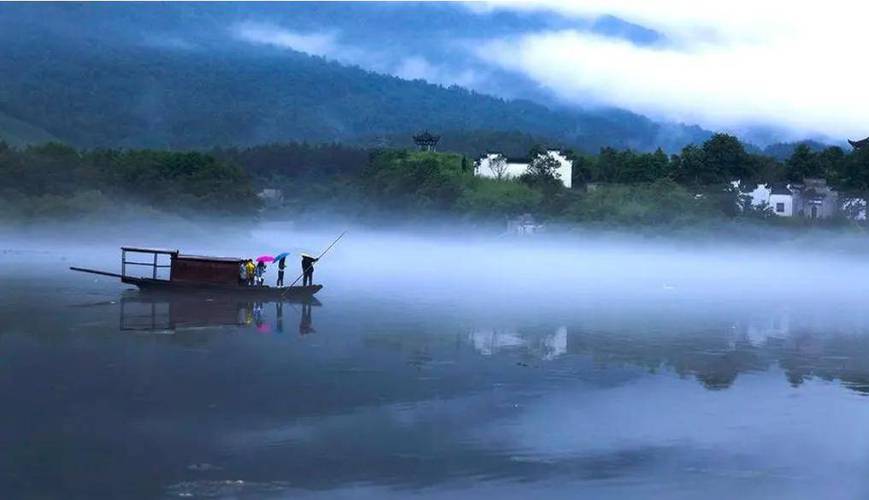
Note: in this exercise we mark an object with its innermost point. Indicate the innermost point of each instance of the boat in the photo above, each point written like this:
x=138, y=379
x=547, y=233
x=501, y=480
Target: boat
x=194, y=274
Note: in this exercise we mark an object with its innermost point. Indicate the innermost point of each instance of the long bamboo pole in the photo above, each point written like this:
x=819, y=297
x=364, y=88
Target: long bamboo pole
x=318, y=258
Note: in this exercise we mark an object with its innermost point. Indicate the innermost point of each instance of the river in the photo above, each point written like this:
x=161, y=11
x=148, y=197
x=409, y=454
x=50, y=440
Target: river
x=513, y=375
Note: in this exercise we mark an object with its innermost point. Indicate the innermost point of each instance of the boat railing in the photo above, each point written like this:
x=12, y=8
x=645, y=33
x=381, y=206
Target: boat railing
x=153, y=260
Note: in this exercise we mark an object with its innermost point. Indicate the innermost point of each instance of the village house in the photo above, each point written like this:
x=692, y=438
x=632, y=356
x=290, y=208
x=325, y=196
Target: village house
x=498, y=166
x=812, y=199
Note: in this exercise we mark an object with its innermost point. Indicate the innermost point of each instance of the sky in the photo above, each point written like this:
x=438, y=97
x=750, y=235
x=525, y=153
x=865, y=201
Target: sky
x=791, y=64
x=737, y=65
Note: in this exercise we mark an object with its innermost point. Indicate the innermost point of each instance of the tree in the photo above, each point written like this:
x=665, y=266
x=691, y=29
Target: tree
x=803, y=163
x=691, y=166
x=832, y=161
x=719, y=161
x=725, y=160
x=853, y=176
x=498, y=166
x=583, y=169
x=544, y=166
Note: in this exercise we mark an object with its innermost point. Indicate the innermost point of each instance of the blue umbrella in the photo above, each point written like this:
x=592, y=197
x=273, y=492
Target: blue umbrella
x=281, y=255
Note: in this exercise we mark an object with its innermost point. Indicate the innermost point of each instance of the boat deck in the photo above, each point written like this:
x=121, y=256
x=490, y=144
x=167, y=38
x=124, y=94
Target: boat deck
x=149, y=284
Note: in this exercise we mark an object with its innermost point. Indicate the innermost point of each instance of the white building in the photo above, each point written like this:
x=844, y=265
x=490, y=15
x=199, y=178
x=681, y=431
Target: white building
x=783, y=201
x=812, y=199
x=498, y=166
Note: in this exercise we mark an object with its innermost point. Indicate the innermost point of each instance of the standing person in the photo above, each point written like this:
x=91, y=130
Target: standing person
x=251, y=269
x=242, y=273
x=260, y=271
x=281, y=264
x=308, y=269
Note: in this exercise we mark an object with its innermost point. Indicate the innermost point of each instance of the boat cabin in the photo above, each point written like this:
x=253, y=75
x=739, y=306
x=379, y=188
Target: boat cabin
x=182, y=268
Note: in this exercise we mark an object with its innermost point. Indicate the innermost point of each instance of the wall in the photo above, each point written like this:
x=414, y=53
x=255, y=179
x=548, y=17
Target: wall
x=786, y=199
x=483, y=168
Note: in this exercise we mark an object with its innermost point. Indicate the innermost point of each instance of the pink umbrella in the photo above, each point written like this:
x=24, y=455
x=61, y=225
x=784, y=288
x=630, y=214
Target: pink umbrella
x=265, y=258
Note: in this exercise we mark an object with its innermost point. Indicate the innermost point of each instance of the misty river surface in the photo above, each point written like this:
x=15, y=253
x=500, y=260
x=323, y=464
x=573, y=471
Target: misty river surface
x=442, y=369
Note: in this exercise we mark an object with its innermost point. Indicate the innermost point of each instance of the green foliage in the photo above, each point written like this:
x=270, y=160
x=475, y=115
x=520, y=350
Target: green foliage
x=853, y=172
x=54, y=180
x=804, y=163
x=414, y=180
x=629, y=167
x=662, y=202
x=493, y=198
x=719, y=161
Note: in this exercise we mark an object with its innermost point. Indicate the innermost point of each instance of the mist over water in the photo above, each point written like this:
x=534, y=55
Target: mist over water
x=439, y=364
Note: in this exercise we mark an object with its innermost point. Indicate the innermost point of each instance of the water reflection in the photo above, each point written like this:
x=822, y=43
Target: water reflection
x=715, y=356
x=386, y=398
x=170, y=313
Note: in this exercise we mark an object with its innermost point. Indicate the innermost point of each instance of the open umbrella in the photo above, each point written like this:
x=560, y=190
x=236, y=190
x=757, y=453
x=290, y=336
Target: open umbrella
x=281, y=255
x=265, y=258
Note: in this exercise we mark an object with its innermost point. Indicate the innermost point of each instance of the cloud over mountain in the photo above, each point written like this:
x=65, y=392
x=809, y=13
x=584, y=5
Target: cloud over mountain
x=793, y=65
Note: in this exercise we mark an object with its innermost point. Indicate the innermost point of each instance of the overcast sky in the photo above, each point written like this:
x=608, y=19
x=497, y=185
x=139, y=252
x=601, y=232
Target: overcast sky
x=795, y=66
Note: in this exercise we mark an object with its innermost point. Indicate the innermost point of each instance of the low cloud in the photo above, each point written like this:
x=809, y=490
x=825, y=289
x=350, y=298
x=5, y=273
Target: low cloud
x=419, y=68
x=794, y=65
x=327, y=44
x=319, y=44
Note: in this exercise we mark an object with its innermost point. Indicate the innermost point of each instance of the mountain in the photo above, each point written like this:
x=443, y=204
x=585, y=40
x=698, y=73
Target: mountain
x=783, y=150
x=108, y=88
x=17, y=133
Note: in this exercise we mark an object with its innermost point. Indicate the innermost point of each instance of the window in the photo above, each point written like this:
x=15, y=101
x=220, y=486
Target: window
x=779, y=207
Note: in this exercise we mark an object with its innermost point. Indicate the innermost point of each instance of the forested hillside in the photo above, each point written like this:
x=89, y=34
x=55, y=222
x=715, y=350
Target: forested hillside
x=99, y=89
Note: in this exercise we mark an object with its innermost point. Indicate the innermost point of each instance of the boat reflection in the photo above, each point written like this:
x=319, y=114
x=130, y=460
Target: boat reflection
x=170, y=313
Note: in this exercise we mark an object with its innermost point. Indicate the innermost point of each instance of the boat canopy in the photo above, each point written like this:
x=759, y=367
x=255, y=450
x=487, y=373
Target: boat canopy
x=166, y=251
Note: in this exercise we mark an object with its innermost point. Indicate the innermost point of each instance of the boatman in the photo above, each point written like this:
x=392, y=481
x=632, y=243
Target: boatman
x=308, y=269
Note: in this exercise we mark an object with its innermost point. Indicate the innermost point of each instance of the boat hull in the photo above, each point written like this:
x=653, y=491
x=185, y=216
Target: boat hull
x=153, y=285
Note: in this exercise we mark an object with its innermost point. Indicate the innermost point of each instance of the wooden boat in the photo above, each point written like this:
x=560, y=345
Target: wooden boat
x=196, y=274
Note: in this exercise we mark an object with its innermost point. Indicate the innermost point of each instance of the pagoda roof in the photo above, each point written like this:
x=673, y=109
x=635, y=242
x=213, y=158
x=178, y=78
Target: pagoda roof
x=858, y=144
x=426, y=137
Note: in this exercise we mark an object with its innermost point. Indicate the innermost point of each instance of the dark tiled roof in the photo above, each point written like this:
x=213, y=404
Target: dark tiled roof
x=859, y=144
x=780, y=189
x=811, y=194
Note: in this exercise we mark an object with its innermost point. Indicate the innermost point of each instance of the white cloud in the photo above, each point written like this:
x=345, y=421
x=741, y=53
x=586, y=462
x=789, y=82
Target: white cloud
x=318, y=44
x=326, y=44
x=795, y=64
x=415, y=67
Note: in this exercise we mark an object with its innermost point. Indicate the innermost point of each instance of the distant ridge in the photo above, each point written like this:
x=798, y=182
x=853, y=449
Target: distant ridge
x=19, y=133
x=101, y=95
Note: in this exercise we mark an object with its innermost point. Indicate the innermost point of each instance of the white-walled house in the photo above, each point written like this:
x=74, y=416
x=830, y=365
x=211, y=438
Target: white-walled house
x=495, y=165
x=812, y=199
x=782, y=200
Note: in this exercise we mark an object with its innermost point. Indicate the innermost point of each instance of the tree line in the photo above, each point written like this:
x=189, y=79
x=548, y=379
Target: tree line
x=58, y=181
x=614, y=186
x=723, y=159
